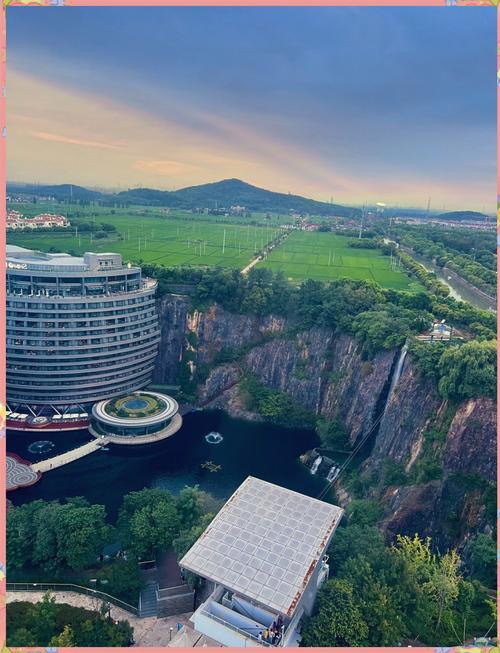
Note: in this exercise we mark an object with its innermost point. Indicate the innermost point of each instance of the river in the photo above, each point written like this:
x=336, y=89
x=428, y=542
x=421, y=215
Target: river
x=460, y=289
x=266, y=451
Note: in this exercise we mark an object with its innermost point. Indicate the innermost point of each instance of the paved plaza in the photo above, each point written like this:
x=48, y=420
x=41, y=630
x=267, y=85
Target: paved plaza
x=19, y=472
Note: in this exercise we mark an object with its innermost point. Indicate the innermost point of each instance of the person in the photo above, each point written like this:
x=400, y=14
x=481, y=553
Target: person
x=266, y=635
x=259, y=636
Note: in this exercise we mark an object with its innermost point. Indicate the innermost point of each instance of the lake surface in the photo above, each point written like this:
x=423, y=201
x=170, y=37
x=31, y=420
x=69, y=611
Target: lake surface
x=248, y=449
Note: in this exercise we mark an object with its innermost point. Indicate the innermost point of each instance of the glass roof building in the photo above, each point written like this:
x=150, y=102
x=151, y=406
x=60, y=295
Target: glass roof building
x=265, y=554
x=79, y=329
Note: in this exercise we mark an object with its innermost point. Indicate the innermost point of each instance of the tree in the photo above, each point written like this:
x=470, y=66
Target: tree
x=66, y=638
x=356, y=539
x=185, y=540
x=43, y=616
x=338, y=621
x=124, y=579
x=364, y=512
x=189, y=506
x=21, y=637
x=437, y=583
x=469, y=370
x=377, y=602
x=483, y=553
x=333, y=433
x=68, y=535
x=148, y=521
x=21, y=533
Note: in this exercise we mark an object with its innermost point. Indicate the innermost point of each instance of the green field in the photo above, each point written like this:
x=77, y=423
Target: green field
x=102, y=213
x=183, y=238
x=326, y=256
x=163, y=240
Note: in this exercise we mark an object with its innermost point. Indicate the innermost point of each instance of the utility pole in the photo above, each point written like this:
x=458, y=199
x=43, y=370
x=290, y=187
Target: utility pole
x=224, y=242
x=361, y=225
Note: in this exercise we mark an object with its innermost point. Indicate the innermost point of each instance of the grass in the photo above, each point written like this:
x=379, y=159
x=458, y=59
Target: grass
x=163, y=240
x=181, y=238
x=326, y=256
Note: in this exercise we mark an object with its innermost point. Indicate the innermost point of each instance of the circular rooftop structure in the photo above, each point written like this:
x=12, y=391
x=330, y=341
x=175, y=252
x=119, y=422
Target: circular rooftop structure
x=136, y=418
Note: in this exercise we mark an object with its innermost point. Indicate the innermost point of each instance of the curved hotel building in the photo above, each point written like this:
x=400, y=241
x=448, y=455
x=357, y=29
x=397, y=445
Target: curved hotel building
x=79, y=330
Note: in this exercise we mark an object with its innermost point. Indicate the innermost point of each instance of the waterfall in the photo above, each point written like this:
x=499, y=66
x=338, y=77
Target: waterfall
x=397, y=374
x=316, y=464
x=332, y=474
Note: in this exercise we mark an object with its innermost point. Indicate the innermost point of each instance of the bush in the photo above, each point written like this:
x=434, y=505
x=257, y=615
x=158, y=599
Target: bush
x=394, y=473
x=363, y=512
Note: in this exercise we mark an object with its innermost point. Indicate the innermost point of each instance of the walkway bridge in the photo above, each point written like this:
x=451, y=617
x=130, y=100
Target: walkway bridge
x=69, y=456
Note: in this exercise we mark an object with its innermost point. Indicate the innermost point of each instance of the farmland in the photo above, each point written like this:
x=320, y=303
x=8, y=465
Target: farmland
x=182, y=238
x=326, y=256
x=161, y=240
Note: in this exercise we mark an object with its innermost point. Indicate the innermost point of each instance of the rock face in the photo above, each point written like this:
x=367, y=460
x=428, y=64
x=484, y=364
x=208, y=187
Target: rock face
x=471, y=442
x=325, y=373
x=411, y=407
x=173, y=314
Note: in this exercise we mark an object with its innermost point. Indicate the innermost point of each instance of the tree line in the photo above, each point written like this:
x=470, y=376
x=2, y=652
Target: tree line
x=399, y=593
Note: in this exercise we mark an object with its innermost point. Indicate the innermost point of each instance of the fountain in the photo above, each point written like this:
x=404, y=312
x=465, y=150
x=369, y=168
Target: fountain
x=316, y=464
x=214, y=437
x=41, y=446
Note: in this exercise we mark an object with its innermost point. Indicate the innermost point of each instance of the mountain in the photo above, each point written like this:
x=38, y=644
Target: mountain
x=461, y=215
x=61, y=192
x=234, y=191
x=225, y=193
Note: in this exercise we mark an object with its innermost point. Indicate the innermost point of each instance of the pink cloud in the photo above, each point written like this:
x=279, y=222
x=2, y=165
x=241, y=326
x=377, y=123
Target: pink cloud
x=165, y=167
x=46, y=136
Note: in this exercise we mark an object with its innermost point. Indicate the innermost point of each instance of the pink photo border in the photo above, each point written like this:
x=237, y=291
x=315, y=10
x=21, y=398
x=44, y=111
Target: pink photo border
x=163, y=3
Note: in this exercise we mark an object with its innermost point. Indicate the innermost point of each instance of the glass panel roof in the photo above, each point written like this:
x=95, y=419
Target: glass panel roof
x=265, y=543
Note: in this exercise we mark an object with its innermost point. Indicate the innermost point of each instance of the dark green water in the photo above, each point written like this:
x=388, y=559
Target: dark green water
x=262, y=450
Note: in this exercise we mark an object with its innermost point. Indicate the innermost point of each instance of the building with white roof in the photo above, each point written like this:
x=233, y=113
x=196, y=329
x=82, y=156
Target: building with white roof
x=264, y=552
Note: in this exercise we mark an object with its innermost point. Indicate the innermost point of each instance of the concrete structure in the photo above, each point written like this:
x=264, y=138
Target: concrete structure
x=265, y=554
x=79, y=330
x=136, y=418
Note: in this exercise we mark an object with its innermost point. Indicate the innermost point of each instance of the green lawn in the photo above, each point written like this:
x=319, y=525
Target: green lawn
x=163, y=240
x=326, y=256
x=182, y=238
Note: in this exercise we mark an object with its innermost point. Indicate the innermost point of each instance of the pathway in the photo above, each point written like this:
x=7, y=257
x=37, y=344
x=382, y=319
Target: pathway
x=251, y=265
x=148, y=631
x=68, y=456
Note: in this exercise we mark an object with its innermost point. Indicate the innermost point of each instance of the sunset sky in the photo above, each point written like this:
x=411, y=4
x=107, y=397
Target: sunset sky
x=354, y=104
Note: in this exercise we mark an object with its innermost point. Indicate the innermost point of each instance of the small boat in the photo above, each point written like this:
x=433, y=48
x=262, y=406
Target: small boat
x=104, y=448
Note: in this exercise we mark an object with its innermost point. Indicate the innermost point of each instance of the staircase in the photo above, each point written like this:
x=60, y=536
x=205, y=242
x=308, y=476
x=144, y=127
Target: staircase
x=148, y=603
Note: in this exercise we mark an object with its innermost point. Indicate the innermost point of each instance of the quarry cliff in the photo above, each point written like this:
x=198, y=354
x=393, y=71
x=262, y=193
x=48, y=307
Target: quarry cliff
x=443, y=453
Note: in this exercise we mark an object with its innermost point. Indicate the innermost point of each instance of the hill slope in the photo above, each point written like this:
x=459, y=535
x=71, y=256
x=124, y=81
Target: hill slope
x=462, y=215
x=223, y=193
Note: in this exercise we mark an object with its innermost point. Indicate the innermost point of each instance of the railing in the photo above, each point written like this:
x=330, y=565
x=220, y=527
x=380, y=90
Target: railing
x=240, y=631
x=165, y=592
x=70, y=587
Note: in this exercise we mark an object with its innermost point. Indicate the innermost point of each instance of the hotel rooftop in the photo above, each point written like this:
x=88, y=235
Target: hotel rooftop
x=265, y=545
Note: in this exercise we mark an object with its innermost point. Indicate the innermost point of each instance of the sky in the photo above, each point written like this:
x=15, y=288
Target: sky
x=349, y=104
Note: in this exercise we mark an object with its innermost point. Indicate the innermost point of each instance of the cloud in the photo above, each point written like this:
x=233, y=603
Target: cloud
x=46, y=136
x=165, y=167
